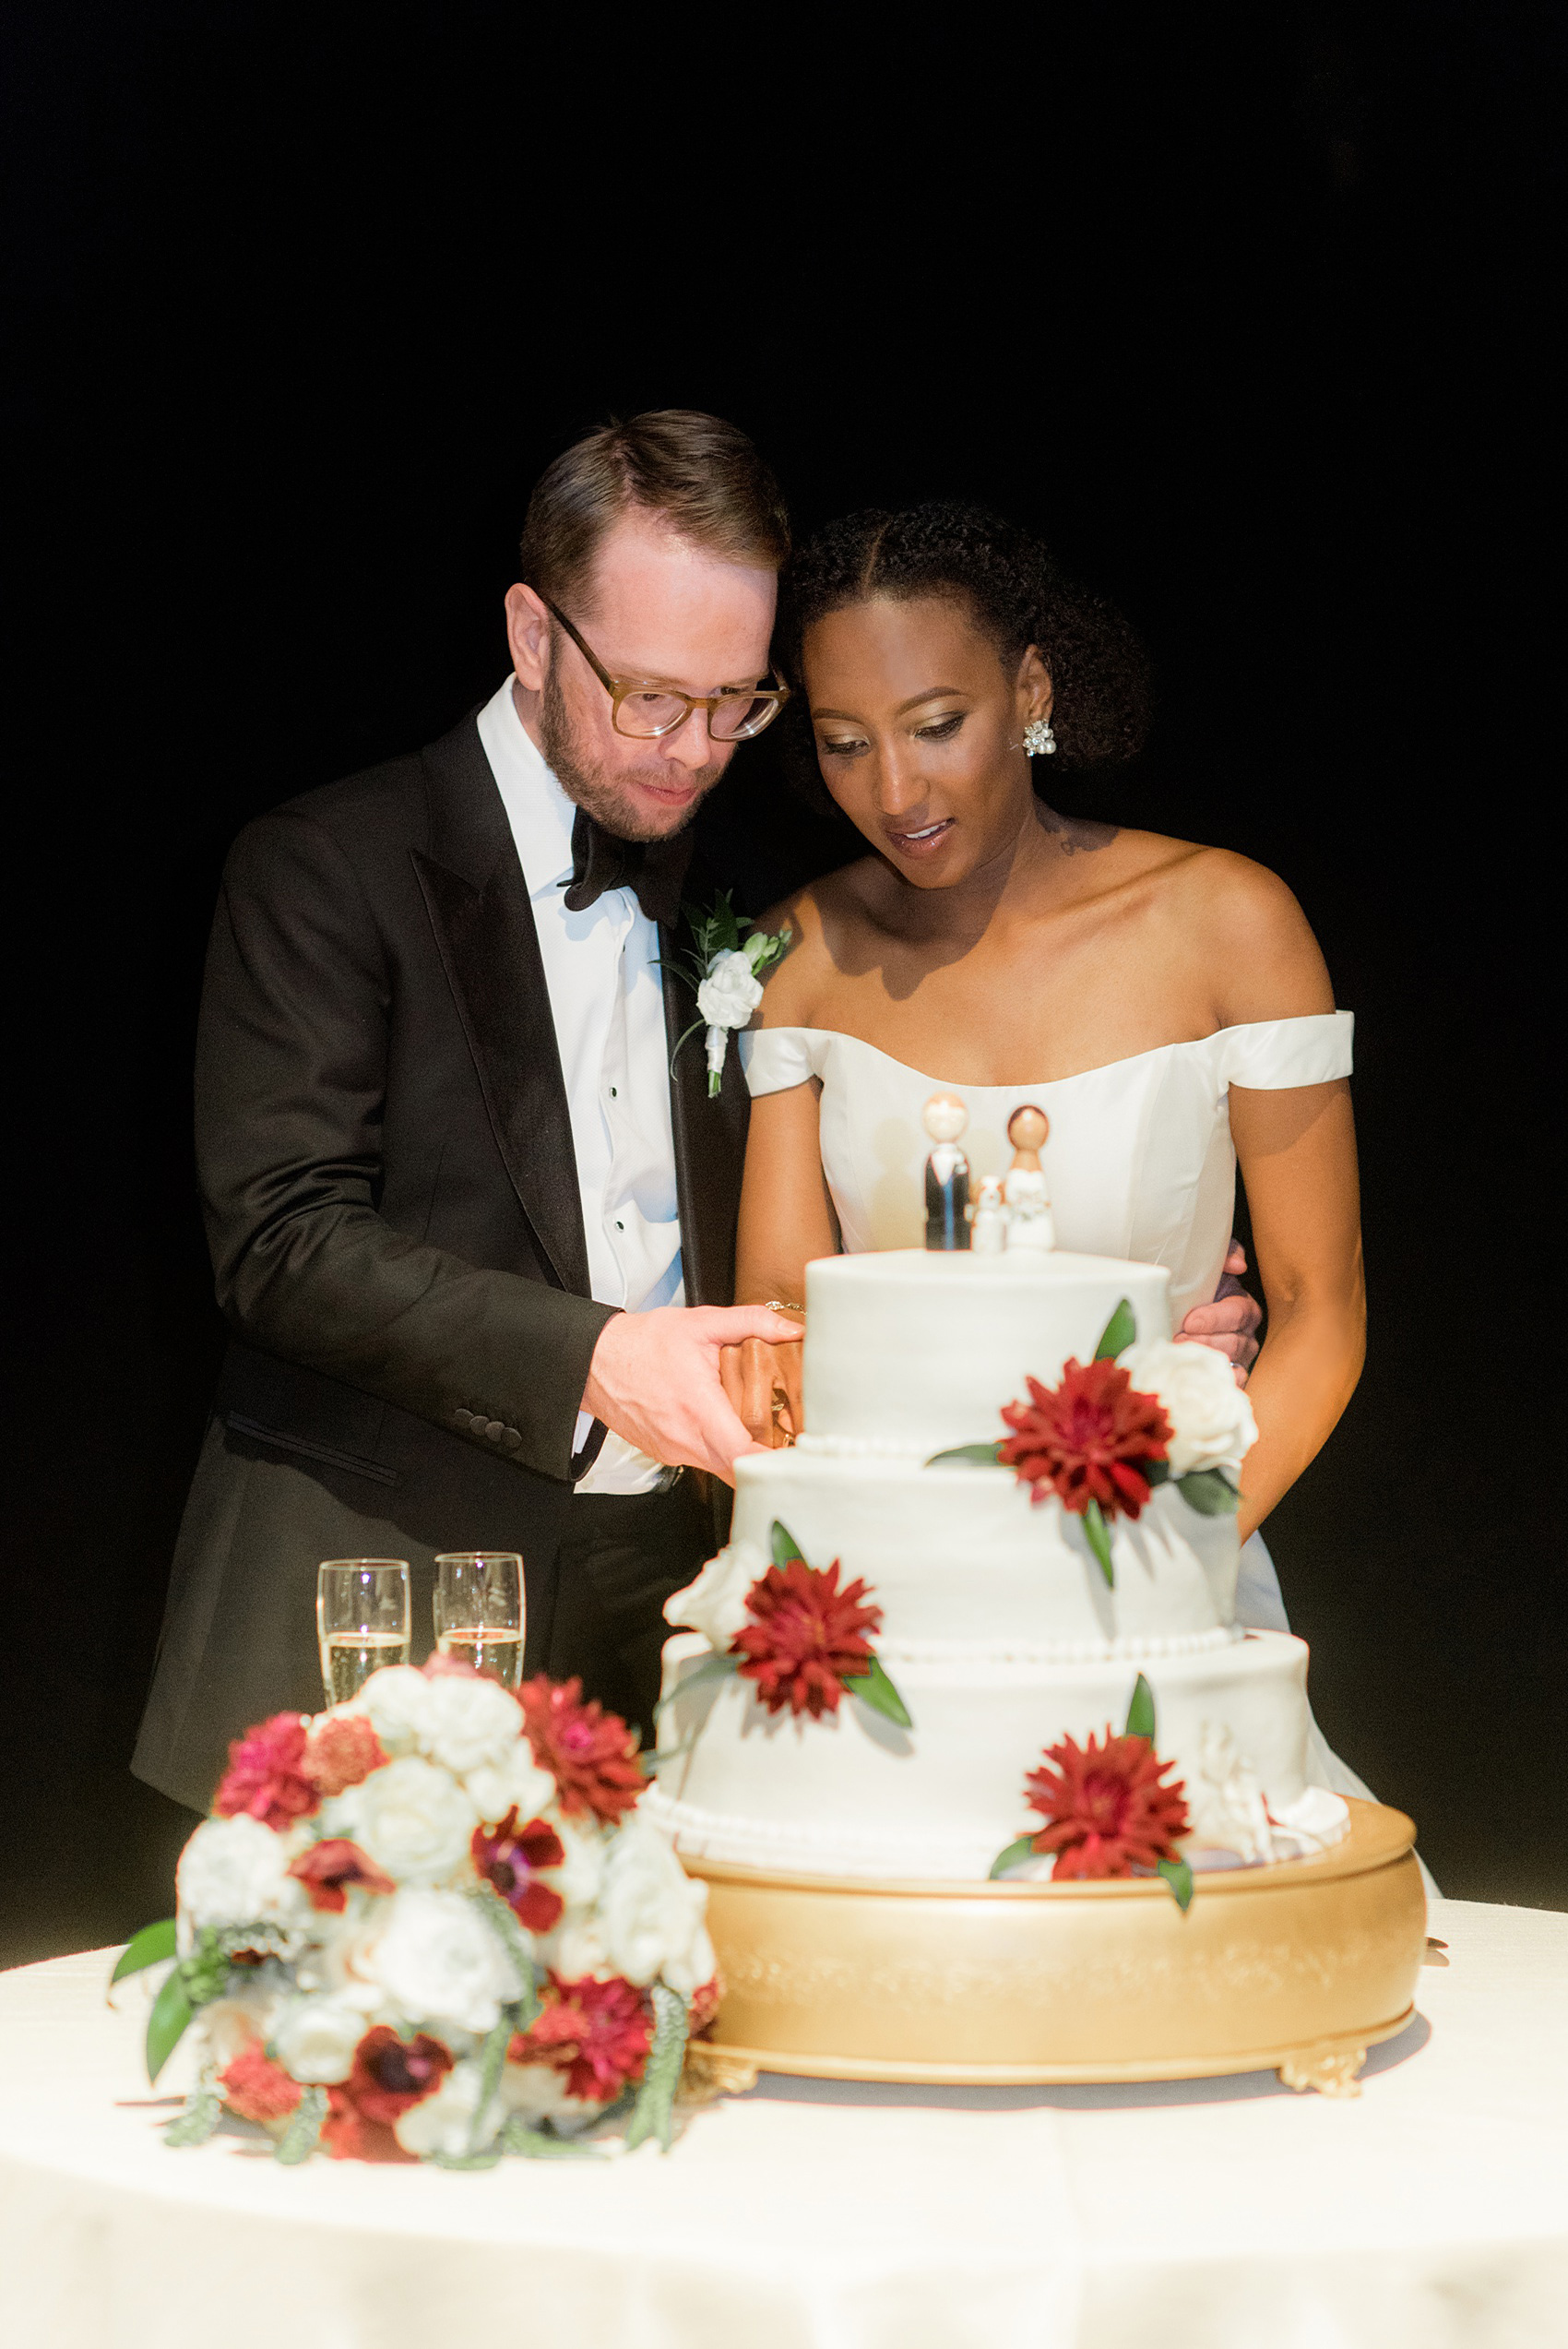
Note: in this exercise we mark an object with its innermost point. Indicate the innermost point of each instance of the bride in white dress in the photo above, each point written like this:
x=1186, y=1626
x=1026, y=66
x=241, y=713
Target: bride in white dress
x=1166, y=1005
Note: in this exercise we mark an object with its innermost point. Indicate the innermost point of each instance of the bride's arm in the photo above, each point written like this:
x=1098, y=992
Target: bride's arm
x=786, y=1219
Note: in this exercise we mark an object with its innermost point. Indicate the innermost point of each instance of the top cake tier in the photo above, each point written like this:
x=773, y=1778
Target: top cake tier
x=908, y=1352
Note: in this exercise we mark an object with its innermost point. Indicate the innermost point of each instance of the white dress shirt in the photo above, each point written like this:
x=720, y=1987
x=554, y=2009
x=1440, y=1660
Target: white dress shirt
x=607, y=999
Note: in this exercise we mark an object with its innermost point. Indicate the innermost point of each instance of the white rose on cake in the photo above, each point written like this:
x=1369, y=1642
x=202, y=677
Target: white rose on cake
x=439, y=1963
x=731, y=993
x=235, y=1872
x=651, y=1913
x=715, y=1603
x=1210, y=1416
x=468, y=1724
x=414, y=1820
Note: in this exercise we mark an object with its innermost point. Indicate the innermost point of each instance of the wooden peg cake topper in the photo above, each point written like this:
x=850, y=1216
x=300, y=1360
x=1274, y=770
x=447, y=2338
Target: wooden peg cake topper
x=1027, y=1130
x=947, y=1175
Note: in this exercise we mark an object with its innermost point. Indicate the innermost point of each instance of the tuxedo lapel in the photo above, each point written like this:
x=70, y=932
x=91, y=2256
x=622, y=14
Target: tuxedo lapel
x=710, y=1136
x=476, y=899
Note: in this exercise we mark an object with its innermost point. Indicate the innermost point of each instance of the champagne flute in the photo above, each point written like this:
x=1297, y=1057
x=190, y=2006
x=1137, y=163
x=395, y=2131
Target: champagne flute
x=361, y=1620
x=478, y=1611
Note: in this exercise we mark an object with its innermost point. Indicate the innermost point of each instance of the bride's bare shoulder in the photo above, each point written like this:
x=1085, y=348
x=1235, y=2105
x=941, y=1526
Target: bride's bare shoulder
x=1246, y=929
x=816, y=918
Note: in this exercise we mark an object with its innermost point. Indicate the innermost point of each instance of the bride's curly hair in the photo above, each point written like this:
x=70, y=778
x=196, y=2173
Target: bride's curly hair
x=1019, y=597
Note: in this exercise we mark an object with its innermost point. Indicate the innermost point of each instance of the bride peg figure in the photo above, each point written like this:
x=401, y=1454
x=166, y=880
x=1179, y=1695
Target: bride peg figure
x=946, y=1175
x=1029, y=1220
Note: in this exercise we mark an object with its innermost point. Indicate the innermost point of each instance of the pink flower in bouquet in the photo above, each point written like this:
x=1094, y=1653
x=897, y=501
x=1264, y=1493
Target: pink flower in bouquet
x=591, y=1753
x=1105, y=1809
x=704, y=2006
x=341, y=1753
x=329, y=1867
x=596, y=2033
x=806, y=1637
x=389, y=2076
x=256, y=2087
x=1087, y=1439
x=266, y=1778
x=509, y=1857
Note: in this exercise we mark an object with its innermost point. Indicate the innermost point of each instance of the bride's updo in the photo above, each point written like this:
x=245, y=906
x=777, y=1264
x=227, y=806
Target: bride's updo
x=1010, y=581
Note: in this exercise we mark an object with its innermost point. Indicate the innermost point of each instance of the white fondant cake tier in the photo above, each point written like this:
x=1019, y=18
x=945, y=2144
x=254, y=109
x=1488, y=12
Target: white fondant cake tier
x=965, y=1556
x=853, y=1795
x=910, y=1352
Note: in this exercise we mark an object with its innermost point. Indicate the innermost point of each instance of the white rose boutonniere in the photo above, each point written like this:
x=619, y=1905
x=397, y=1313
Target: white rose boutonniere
x=726, y=968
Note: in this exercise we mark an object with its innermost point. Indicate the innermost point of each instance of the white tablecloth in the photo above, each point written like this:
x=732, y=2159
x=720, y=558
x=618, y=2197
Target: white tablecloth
x=1219, y=2214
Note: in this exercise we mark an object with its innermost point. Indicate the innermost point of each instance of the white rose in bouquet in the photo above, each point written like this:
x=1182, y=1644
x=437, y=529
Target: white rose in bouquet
x=398, y=1701
x=468, y=1724
x=715, y=1603
x=575, y=1947
x=1210, y=1415
x=443, y=2123
x=413, y=1818
x=315, y=2038
x=439, y=1962
x=516, y=1783
x=651, y=1910
x=581, y=1877
x=539, y=2092
x=731, y=991
x=235, y=1872
x=231, y=2025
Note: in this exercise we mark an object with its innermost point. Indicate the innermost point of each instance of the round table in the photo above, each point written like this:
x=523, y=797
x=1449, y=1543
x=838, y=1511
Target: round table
x=1431, y=2210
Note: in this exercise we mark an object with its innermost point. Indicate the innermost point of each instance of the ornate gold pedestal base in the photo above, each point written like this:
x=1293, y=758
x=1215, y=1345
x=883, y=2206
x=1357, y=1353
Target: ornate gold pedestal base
x=1299, y=1967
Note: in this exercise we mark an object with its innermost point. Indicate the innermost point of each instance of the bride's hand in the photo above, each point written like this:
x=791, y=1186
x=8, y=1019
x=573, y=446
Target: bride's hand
x=763, y=1383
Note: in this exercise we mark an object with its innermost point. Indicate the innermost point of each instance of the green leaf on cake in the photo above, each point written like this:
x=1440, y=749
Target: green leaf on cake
x=1154, y=1471
x=1179, y=1876
x=147, y=1947
x=653, y=2113
x=1210, y=1492
x=1017, y=1852
x=1118, y=1333
x=299, y=2140
x=873, y=1688
x=1140, y=1710
x=1097, y=1536
x=785, y=1546
x=172, y=2010
x=968, y=1456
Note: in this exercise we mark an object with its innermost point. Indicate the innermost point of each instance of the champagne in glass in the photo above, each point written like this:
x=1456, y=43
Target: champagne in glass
x=479, y=1612
x=361, y=1620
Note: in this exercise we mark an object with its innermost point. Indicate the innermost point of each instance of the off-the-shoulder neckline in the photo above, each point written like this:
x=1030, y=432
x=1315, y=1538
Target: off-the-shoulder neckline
x=1043, y=1084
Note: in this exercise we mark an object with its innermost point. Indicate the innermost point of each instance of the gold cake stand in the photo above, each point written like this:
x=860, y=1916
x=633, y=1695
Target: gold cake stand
x=1298, y=1967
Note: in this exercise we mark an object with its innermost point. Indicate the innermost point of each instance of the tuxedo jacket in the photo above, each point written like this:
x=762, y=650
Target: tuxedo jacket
x=392, y=1207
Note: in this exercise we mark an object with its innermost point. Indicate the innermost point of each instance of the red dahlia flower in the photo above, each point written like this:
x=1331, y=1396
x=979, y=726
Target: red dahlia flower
x=591, y=1753
x=341, y=1753
x=266, y=1778
x=329, y=1868
x=509, y=1856
x=1105, y=1809
x=389, y=2075
x=807, y=1638
x=1087, y=1439
x=596, y=2033
x=256, y=2087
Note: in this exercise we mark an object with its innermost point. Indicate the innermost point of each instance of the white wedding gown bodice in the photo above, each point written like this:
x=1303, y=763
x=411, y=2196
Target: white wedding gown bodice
x=1139, y=1162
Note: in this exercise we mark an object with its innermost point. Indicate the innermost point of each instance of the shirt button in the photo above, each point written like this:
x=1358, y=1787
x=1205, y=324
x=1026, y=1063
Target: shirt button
x=618, y=1226
x=612, y=1092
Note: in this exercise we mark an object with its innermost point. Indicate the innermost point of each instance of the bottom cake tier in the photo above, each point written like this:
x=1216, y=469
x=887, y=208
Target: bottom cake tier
x=853, y=1795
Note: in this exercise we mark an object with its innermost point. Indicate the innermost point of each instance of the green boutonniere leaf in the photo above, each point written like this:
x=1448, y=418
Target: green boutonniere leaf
x=1118, y=1333
x=1210, y=1492
x=1097, y=1536
x=873, y=1688
x=968, y=1456
x=1019, y=1850
x=1179, y=1876
x=1140, y=1710
x=785, y=1546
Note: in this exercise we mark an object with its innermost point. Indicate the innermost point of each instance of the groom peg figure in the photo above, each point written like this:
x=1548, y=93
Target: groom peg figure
x=473, y=1241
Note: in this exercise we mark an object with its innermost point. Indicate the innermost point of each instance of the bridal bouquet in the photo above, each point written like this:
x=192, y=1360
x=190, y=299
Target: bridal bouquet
x=430, y=1923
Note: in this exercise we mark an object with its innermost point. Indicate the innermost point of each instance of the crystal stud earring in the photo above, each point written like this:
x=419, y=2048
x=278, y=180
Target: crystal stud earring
x=1038, y=740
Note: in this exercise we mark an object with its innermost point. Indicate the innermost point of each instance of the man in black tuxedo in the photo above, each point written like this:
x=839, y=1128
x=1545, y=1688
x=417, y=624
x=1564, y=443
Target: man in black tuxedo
x=459, y=1208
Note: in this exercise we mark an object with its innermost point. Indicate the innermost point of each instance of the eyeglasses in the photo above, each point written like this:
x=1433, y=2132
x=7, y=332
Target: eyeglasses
x=644, y=710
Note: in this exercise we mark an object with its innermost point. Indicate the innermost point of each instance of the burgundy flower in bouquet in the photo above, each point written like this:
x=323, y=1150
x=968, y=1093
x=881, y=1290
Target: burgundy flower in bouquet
x=509, y=1857
x=1105, y=1809
x=596, y=2033
x=389, y=2075
x=591, y=1753
x=1087, y=1439
x=267, y=1776
x=807, y=1637
x=331, y=1866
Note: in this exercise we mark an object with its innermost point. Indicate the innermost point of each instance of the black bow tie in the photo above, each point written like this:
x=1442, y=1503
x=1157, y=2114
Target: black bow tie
x=653, y=870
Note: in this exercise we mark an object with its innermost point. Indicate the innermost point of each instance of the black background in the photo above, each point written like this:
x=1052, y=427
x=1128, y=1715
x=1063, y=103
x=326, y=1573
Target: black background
x=1248, y=309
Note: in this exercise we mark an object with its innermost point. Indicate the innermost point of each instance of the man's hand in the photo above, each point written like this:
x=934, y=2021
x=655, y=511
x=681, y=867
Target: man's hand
x=655, y=1379
x=1230, y=1324
x=763, y=1383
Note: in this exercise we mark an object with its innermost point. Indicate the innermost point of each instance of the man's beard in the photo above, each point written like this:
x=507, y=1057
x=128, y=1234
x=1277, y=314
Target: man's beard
x=605, y=796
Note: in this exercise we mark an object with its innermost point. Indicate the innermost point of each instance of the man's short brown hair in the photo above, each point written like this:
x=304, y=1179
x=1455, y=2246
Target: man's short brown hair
x=701, y=476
